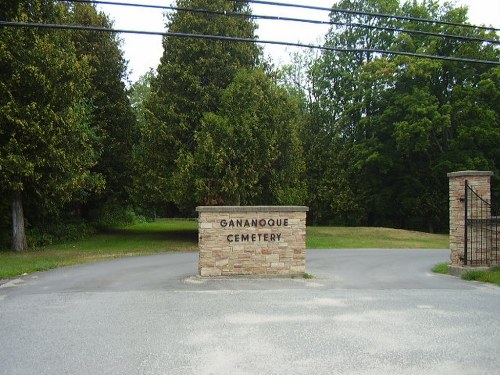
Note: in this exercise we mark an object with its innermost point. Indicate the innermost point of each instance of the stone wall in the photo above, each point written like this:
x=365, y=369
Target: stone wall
x=480, y=182
x=254, y=240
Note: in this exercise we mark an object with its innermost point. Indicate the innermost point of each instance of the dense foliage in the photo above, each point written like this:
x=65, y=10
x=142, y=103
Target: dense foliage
x=46, y=149
x=385, y=131
x=248, y=152
x=191, y=78
x=113, y=119
x=65, y=133
x=361, y=138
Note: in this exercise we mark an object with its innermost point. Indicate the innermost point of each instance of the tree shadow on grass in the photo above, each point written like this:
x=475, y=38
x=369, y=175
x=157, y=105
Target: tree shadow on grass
x=184, y=235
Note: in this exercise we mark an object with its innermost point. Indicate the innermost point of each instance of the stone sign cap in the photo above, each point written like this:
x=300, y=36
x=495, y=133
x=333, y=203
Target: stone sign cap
x=252, y=209
x=470, y=173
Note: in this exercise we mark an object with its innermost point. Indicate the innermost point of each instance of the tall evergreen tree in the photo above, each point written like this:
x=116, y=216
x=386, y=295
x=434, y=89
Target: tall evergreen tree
x=191, y=78
x=249, y=152
x=46, y=142
x=112, y=117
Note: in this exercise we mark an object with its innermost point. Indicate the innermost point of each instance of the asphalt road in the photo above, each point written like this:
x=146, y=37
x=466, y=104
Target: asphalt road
x=365, y=312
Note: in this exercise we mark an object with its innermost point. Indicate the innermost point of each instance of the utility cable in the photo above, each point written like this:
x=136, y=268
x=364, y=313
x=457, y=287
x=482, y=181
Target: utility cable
x=244, y=40
x=380, y=15
x=291, y=19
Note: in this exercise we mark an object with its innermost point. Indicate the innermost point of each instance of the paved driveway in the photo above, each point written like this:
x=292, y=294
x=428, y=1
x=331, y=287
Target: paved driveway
x=365, y=312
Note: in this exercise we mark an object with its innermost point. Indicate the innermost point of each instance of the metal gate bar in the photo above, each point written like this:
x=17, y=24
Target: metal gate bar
x=481, y=237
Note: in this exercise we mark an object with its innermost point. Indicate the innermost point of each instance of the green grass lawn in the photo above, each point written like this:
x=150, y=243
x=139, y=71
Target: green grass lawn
x=168, y=235
x=363, y=237
x=162, y=236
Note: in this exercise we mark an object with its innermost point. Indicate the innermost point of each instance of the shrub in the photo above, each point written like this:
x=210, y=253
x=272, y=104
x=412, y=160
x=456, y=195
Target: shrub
x=111, y=215
x=58, y=233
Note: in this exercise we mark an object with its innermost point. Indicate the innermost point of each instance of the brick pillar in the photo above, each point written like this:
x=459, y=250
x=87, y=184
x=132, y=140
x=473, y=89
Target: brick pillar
x=480, y=182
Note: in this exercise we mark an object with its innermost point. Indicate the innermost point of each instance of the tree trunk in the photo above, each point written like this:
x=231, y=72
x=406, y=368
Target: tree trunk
x=19, y=242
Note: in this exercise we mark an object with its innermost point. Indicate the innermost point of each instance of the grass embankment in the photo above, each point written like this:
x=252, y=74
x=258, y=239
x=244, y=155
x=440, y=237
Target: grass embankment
x=490, y=276
x=168, y=235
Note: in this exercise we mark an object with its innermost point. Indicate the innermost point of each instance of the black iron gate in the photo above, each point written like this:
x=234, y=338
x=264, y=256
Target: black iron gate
x=481, y=242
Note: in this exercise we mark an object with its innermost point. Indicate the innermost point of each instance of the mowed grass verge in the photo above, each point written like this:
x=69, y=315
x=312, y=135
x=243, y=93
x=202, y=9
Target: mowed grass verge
x=170, y=235
x=490, y=276
x=487, y=276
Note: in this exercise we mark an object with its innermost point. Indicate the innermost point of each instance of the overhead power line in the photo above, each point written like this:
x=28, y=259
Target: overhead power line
x=291, y=19
x=355, y=12
x=244, y=40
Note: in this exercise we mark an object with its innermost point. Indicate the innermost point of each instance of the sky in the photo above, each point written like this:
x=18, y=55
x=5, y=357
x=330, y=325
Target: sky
x=144, y=51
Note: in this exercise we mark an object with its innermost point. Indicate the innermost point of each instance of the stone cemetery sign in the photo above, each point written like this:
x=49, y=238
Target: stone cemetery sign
x=252, y=240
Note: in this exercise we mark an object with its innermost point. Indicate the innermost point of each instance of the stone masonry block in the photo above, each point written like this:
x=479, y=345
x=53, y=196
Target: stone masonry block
x=263, y=240
x=210, y=271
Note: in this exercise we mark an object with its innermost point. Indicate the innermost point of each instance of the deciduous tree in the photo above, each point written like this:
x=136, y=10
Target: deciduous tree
x=397, y=125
